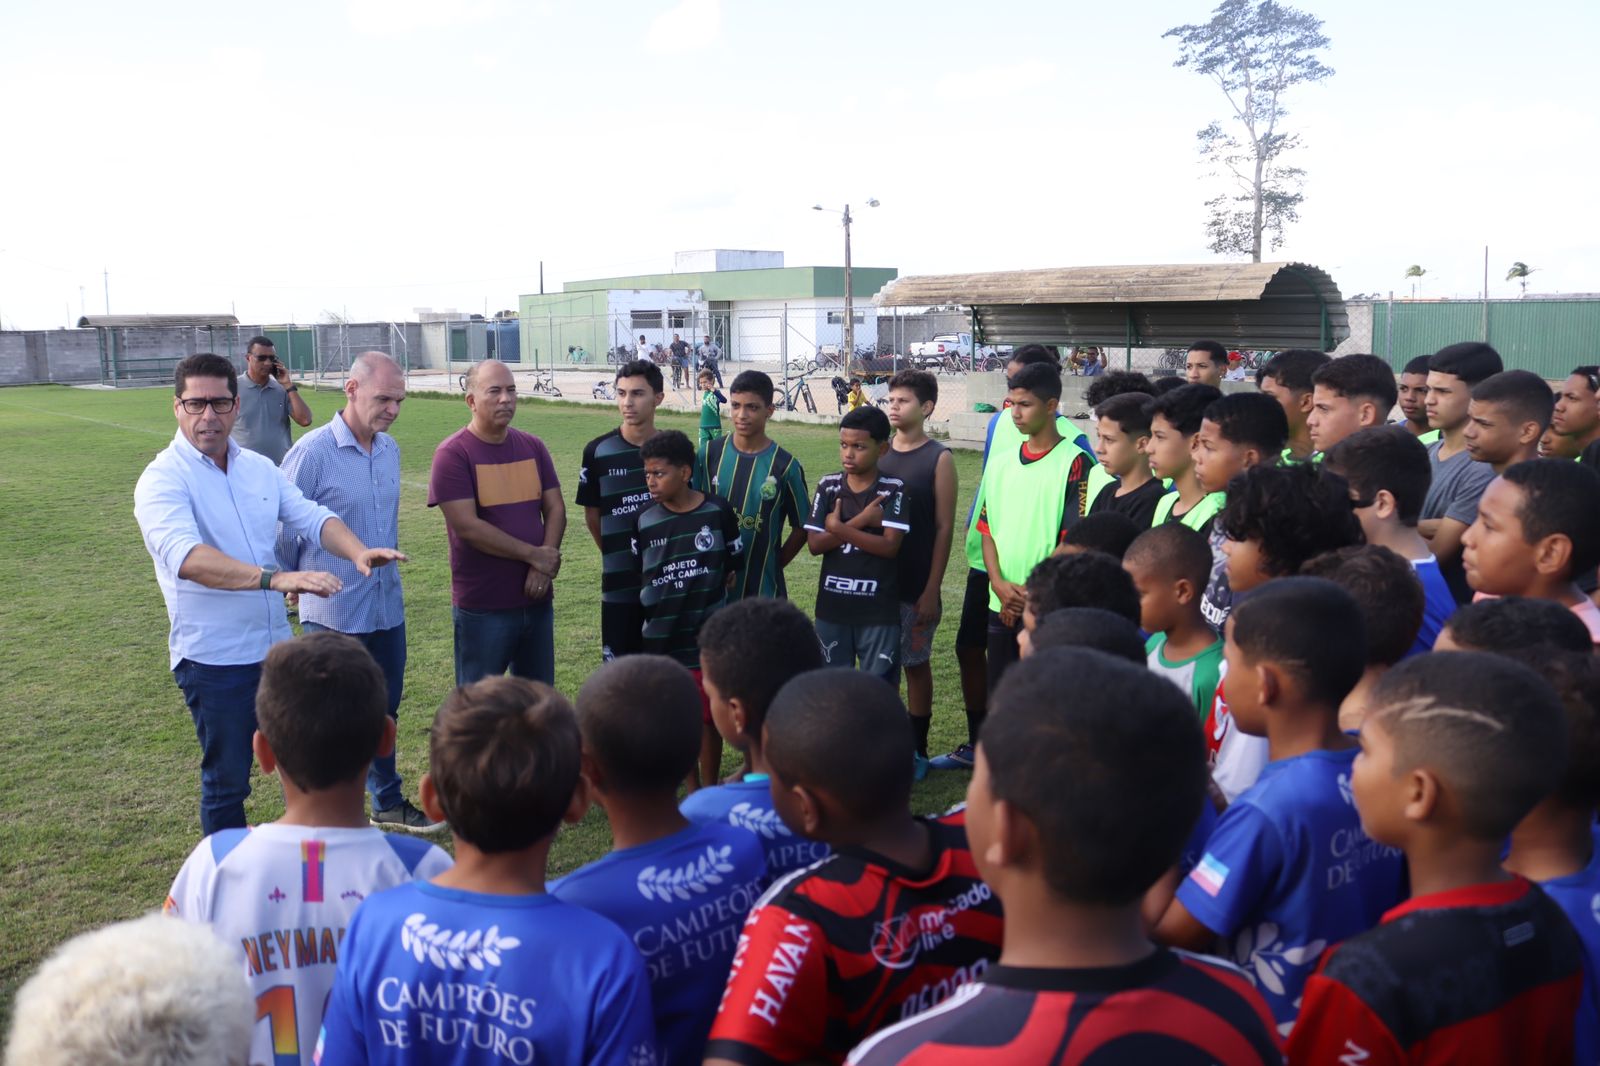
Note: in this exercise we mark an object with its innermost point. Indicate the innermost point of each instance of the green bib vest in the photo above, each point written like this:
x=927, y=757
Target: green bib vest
x=1197, y=516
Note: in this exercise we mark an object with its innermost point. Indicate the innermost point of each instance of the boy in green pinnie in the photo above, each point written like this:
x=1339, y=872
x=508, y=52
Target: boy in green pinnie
x=711, y=402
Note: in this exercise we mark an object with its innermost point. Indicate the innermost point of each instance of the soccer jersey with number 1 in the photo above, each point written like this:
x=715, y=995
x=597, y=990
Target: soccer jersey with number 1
x=282, y=895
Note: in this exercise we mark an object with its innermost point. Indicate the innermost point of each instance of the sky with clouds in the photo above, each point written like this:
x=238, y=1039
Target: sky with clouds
x=368, y=157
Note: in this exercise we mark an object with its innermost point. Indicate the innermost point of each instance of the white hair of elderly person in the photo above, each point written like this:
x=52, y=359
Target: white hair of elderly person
x=154, y=991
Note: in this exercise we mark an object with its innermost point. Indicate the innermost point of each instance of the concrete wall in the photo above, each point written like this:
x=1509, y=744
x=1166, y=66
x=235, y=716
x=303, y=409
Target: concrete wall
x=146, y=356
x=39, y=356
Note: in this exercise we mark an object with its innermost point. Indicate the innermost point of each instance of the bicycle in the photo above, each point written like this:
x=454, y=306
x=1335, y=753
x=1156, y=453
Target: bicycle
x=604, y=390
x=545, y=385
x=800, y=390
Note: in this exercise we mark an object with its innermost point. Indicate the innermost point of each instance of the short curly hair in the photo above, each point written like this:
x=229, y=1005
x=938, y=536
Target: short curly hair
x=154, y=991
x=1295, y=512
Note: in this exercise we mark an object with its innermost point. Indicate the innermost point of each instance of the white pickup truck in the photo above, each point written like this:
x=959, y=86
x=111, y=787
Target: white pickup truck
x=944, y=346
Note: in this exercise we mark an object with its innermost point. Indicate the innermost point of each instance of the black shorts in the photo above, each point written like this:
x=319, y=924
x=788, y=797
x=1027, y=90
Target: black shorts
x=973, y=632
x=621, y=629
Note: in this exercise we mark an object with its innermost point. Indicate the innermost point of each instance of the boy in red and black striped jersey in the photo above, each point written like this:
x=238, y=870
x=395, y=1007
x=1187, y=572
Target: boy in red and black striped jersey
x=1479, y=966
x=893, y=922
x=1079, y=980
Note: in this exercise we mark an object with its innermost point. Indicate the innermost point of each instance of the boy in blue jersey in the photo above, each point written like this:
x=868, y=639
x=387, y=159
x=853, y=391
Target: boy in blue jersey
x=680, y=891
x=1388, y=471
x=1390, y=597
x=1288, y=871
x=1078, y=979
x=748, y=651
x=1558, y=844
x=480, y=964
x=281, y=895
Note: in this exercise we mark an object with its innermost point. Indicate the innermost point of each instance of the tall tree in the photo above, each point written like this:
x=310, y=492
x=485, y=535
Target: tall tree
x=1255, y=52
x=1415, y=272
x=1519, y=272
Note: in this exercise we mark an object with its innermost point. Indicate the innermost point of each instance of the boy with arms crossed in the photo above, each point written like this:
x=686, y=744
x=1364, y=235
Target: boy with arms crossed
x=858, y=521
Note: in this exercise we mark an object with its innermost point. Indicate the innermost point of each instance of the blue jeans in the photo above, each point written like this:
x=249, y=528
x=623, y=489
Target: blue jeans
x=222, y=702
x=388, y=647
x=521, y=639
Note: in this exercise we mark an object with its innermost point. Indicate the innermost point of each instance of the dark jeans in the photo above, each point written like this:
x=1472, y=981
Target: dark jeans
x=222, y=702
x=388, y=647
x=1003, y=650
x=521, y=639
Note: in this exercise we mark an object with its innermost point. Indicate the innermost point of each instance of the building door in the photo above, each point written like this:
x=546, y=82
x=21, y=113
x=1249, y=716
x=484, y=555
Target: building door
x=760, y=337
x=296, y=346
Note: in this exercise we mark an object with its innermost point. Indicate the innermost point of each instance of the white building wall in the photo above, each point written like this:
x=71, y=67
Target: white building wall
x=622, y=304
x=709, y=259
x=802, y=325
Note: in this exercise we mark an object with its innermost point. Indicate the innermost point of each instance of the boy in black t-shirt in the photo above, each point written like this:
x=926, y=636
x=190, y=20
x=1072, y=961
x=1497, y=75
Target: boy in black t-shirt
x=1079, y=979
x=858, y=519
x=1121, y=442
x=612, y=492
x=684, y=545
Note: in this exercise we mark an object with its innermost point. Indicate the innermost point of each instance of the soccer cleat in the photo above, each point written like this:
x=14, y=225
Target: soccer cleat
x=960, y=759
x=406, y=818
x=919, y=766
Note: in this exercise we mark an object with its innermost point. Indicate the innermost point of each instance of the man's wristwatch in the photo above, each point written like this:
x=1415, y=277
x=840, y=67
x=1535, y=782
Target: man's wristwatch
x=266, y=576
x=292, y=388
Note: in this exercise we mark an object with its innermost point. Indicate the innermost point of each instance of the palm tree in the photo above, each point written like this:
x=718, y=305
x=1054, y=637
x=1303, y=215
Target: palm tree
x=1519, y=272
x=1414, y=272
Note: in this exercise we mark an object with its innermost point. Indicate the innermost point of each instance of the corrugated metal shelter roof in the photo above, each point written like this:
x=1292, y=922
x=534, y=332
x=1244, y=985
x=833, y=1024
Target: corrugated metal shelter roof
x=1251, y=305
x=148, y=321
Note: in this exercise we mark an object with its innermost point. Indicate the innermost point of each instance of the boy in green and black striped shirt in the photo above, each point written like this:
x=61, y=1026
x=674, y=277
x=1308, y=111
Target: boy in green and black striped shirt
x=763, y=483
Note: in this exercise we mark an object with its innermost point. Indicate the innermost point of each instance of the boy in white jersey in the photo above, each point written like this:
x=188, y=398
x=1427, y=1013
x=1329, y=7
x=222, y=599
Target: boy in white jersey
x=282, y=893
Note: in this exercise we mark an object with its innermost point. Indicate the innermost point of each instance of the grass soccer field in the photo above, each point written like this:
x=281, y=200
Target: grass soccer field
x=99, y=766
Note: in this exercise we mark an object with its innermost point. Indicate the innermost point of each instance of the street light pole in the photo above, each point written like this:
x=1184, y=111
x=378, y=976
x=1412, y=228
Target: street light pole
x=849, y=304
x=849, y=293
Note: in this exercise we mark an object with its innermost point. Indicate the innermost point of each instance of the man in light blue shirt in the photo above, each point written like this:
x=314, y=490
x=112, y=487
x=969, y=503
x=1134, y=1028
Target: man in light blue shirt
x=209, y=512
x=352, y=467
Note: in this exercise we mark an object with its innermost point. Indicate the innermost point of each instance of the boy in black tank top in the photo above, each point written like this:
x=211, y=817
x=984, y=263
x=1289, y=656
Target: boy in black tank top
x=928, y=472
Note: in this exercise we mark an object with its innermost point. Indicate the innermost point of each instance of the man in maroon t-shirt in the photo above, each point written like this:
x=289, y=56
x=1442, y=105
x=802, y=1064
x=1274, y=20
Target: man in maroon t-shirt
x=504, y=515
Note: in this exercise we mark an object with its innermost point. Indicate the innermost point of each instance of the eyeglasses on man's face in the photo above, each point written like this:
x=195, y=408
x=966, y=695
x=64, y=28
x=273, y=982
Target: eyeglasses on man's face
x=220, y=404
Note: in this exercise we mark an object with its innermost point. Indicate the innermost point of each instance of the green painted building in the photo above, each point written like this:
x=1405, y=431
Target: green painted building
x=754, y=314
